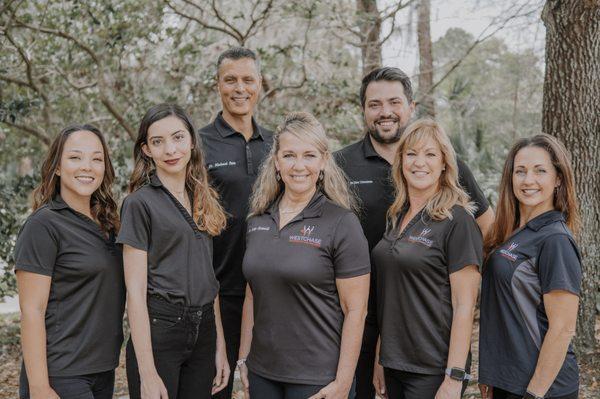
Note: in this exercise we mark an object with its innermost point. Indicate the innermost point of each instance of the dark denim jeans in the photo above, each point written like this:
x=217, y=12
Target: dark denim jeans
x=184, y=340
x=406, y=385
x=502, y=394
x=89, y=386
x=265, y=388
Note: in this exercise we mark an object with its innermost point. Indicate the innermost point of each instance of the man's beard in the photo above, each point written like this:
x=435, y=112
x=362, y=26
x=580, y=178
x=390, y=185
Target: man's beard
x=374, y=133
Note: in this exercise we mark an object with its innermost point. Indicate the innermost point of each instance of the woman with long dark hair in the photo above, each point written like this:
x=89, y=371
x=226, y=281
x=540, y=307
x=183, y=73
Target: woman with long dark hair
x=70, y=274
x=531, y=278
x=168, y=221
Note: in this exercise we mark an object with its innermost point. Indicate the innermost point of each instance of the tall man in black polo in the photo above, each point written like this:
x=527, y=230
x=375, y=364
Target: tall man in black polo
x=387, y=101
x=234, y=147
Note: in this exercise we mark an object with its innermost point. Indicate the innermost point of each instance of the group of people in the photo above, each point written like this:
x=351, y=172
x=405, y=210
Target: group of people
x=316, y=274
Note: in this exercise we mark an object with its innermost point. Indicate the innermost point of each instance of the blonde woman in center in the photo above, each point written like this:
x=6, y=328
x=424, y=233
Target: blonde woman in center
x=307, y=267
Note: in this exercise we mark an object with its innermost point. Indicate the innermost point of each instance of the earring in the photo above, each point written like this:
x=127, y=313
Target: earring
x=277, y=175
x=321, y=175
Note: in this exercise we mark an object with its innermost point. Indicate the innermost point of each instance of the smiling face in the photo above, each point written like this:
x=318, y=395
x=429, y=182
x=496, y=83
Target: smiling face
x=239, y=85
x=299, y=164
x=387, y=111
x=169, y=144
x=422, y=166
x=82, y=167
x=534, y=180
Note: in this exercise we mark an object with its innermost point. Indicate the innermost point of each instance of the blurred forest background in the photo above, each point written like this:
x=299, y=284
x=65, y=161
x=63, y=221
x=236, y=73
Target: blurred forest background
x=106, y=61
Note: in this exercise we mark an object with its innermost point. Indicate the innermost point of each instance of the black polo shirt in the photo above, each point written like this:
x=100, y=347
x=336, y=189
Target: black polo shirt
x=414, y=304
x=233, y=165
x=369, y=176
x=87, y=290
x=292, y=273
x=179, y=254
x=537, y=259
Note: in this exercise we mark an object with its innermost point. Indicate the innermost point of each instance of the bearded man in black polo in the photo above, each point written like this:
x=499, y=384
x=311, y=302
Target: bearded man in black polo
x=234, y=147
x=386, y=98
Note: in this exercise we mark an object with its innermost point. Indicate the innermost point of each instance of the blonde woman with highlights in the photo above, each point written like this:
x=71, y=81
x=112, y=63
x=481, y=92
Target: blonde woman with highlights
x=307, y=267
x=427, y=266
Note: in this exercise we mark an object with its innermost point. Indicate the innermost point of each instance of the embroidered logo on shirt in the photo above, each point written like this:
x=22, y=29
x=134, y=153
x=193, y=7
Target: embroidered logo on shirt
x=305, y=237
x=355, y=182
x=508, y=252
x=216, y=165
x=259, y=228
x=422, y=238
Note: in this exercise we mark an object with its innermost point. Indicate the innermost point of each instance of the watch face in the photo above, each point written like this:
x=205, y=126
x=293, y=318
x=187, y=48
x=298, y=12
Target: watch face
x=457, y=374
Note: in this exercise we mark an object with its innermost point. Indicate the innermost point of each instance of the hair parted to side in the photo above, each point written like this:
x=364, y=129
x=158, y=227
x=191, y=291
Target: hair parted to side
x=450, y=193
x=206, y=209
x=237, y=53
x=307, y=128
x=103, y=205
x=389, y=74
x=565, y=198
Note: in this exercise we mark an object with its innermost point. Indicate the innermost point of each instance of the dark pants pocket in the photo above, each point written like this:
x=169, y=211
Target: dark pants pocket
x=88, y=386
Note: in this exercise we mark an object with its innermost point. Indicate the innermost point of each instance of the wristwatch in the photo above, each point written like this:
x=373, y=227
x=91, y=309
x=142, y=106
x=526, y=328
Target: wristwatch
x=529, y=395
x=458, y=374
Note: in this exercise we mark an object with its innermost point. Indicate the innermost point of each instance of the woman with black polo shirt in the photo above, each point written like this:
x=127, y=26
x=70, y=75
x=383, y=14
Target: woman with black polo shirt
x=531, y=278
x=168, y=222
x=70, y=274
x=427, y=272
x=307, y=267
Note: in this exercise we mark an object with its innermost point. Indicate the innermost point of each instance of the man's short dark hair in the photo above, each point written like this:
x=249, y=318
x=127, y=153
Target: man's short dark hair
x=237, y=53
x=390, y=74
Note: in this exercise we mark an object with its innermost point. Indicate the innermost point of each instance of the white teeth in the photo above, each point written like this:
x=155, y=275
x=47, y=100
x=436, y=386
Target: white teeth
x=420, y=173
x=85, y=179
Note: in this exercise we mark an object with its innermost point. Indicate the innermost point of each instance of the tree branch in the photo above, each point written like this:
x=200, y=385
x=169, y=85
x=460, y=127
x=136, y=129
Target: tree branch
x=29, y=130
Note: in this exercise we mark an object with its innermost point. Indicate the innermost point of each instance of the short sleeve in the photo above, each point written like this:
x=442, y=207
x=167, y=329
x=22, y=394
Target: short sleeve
x=559, y=265
x=36, y=249
x=350, y=248
x=467, y=181
x=135, y=224
x=464, y=243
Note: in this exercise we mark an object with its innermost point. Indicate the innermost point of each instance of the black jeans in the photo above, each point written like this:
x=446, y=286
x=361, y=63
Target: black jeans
x=184, y=340
x=231, y=317
x=366, y=361
x=405, y=385
x=89, y=386
x=502, y=394
x=264, y=388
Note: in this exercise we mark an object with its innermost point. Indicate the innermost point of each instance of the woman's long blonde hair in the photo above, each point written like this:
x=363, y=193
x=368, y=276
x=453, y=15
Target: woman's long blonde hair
x=307, y=128
x=450, y=192
x=206, y=209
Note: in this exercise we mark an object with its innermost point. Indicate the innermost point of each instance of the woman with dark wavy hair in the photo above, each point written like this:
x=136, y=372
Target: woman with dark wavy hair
x=532, y=278
x=70, y=274
x=177, y=346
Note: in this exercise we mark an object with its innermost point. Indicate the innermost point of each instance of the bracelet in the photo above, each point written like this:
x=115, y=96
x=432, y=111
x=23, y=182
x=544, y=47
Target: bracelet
x=240, y=362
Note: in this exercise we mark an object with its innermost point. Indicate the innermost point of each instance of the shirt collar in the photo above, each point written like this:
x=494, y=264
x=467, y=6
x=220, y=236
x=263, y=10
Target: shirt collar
x=225, y=130
x=57, y=203
x=369, y=150
x=155, y=181
x=312, y=210
x=544, y=219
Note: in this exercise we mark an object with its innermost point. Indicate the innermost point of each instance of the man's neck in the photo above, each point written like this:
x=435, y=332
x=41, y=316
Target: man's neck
x=386, y=151
x=240, y=123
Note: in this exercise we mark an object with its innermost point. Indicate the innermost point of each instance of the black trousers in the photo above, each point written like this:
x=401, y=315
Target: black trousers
x=405, y=385
x=366, y=361
x=231, y=317
x=264, y=388
x=184, y=340
x=502, y=394
x=89, y=386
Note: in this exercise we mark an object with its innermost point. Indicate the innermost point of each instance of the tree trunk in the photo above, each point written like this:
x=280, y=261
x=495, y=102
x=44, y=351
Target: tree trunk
x=370, y=27
x=426, y=101
x=571, y=112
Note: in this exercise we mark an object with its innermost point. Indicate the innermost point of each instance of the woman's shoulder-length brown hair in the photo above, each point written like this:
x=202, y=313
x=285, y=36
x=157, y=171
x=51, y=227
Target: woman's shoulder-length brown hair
x=565, y=199
x=103, y=204
x=206, y=209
